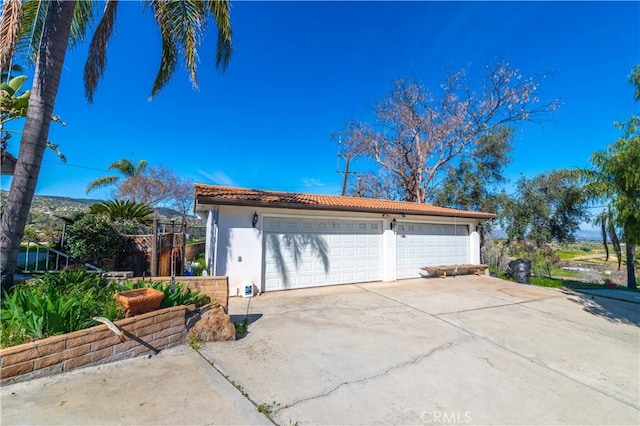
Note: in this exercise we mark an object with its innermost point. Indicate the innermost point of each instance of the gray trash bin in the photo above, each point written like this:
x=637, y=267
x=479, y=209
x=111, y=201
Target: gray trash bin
x=520, y=270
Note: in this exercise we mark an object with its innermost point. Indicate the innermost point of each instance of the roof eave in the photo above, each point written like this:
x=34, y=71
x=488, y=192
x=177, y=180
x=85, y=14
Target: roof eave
x=202, y=200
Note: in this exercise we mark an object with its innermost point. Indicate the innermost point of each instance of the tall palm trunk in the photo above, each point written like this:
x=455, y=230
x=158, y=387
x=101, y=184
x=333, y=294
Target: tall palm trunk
x=46, y=80
x=631, y=266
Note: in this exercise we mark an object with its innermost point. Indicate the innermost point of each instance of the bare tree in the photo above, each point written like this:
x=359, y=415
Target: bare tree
x=156, y=185
x=416, y=134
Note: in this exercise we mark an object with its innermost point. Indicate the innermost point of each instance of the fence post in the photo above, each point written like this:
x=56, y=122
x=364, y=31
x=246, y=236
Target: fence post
x=154, y=248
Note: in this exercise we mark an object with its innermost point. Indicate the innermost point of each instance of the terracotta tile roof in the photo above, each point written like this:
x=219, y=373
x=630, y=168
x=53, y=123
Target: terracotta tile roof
x=225, y=195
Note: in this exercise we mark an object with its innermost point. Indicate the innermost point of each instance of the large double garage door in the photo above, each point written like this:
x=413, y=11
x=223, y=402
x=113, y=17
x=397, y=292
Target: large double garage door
x=305, y=252
x=429, y=244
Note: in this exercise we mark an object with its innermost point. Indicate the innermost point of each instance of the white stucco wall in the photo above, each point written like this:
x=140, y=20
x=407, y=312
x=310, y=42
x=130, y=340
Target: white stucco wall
x=239, y=253
x=239, y=247
x=474, y=246
x=388, y=251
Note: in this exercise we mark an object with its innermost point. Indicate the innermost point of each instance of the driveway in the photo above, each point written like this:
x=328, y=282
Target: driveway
x=464, y=350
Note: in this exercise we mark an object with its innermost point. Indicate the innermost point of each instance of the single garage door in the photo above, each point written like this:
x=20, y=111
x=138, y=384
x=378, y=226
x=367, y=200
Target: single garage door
x=301, y=252
x=429, y=244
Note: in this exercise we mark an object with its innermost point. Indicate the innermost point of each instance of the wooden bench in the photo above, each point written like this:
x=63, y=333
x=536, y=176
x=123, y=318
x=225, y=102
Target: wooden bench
x=454, y=270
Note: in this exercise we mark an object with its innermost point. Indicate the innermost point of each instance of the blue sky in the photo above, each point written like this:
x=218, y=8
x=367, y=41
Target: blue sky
x=301, y=70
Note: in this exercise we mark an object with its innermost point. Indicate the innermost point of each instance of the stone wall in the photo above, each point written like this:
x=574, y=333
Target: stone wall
x=146, y=333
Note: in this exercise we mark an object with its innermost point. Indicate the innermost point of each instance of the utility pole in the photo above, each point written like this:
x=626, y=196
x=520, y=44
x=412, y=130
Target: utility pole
x=346, y=171
x=346, y=175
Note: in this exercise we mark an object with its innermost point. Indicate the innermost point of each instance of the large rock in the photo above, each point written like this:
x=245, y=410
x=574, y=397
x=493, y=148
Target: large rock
x=214, y=326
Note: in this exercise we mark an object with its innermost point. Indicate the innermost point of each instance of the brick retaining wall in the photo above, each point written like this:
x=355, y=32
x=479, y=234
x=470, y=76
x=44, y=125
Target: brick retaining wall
x=96, y=345
x=217, y=288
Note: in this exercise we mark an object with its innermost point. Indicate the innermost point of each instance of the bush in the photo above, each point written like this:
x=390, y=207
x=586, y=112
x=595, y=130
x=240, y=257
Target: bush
x=542, y=257
x=55, y=304
x=180, y=294
x=198, y=265
x=93, y=238
x=61, y=303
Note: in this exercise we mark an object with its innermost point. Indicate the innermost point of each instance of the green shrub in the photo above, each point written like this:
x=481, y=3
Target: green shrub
x=54, y=304
x=179, y=295
x=93, y=238
x=198, y=265
x=61, y=303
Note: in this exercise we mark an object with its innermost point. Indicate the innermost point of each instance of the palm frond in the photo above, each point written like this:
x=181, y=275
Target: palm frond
x=10, y=22
x=102, y=182
x=221, y=10
x=97, y=60
x=187, y=20
x=5, y=74
x=181, y=24
x=34, y=13
x=124, y=209
x=140, y=168
x=124, y=166
x=82, y=17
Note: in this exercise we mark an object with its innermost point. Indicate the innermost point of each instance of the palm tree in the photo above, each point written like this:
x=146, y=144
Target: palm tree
x=124, y=210
x=126, y=168
x=615, y=179
x=48, y=27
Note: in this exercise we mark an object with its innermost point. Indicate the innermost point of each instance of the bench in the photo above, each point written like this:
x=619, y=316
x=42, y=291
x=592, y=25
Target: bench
x=454, y=270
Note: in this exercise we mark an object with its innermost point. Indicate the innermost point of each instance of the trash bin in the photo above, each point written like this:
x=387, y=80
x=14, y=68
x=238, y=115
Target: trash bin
x=520, y=270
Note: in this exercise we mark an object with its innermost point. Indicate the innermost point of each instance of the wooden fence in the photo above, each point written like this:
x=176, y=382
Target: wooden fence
x=139, y=255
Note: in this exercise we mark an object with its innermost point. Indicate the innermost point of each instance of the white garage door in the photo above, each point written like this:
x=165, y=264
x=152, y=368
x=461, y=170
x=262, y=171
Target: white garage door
x=302, y=252
x=429, y=244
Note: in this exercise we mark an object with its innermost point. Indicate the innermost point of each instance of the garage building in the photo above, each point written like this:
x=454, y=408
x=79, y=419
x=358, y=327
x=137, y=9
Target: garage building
x=283, y=240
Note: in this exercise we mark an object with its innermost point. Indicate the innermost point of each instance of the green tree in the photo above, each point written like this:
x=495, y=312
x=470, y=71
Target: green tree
x=48, y=27
x=94, y=239
x=473, y=184
x=608, y=230
x=615, y=180
x=128, y=170
x=546, y=208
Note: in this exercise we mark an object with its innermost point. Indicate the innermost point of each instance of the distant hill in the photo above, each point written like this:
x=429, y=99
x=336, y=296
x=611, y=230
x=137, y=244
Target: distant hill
x=45, y=210
x=48, y=204
x=581, y=235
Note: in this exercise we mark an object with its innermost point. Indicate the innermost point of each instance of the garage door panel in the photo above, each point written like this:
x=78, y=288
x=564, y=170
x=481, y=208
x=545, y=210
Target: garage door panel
x=419, y=245
x=352, y=252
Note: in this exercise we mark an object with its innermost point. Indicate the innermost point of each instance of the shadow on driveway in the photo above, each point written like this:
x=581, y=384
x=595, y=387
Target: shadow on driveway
x=613, y=310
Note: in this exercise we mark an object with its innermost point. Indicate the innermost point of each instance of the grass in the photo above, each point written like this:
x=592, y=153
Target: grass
x=564, y=273
x=568, y=254
x=571, y=284
x=195, y=343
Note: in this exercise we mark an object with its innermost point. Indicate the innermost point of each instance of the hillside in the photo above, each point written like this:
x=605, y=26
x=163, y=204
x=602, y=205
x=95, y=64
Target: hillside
x=46, y=209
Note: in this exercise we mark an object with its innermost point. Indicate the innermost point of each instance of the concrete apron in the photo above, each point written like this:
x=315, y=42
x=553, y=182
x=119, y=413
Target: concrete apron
x=465, y=350
x=176, y=387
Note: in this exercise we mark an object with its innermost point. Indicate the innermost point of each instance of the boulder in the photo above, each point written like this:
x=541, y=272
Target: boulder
x=214, y=326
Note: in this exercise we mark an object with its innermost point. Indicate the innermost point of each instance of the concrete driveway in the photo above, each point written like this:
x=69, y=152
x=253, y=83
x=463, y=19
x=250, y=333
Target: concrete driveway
x=464, y=350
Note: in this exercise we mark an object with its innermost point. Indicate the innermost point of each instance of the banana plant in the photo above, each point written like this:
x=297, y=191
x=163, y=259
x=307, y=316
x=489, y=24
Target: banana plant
x=14, y=105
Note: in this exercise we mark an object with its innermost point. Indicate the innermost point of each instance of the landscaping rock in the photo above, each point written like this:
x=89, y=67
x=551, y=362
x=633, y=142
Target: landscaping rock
x=214, y=326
